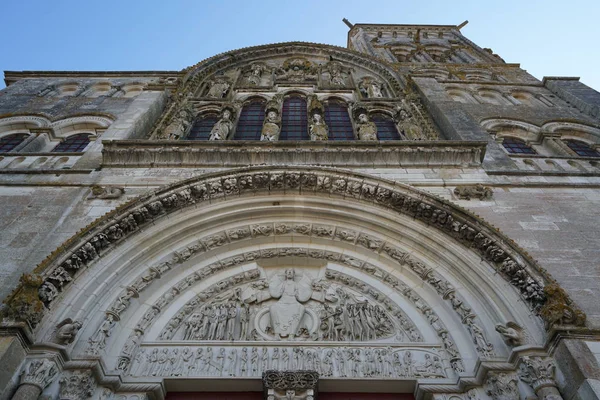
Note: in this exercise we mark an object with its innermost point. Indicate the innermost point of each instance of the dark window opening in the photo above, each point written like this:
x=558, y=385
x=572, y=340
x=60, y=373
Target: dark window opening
x=73, y=144
x=517, y=146
x=386, y=128
x=202, y=127
x=338, y=121
x=581, y=148
x=251, y=121
x=294, y=122
x=8, y=143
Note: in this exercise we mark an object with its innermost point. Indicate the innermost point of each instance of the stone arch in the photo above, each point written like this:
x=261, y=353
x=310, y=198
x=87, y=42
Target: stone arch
x=509, y=127
x=572, y=130
x=380, y=233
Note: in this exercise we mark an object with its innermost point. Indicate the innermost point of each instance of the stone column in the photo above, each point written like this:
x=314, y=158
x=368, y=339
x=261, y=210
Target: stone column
x=36, y=376
x=282, y=385
x=538, y=373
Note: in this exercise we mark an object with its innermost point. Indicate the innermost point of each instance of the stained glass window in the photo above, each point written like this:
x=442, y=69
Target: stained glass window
x=294, y=123
x=202, y=127
x=251, y=121
x=338, y=121
x=73, y=144
x=581, y=148
x=386, y=128
x=517, y=146
x=9, y=142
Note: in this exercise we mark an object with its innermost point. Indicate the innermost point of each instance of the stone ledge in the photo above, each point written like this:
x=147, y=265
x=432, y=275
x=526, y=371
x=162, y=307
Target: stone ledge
x=161, y=153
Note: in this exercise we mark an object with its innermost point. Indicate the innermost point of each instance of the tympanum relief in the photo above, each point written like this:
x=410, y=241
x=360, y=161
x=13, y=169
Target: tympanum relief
x=293, y=305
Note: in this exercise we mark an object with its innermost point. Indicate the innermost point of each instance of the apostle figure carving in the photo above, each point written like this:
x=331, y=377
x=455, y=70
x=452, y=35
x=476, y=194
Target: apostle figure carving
x=218, y=88
x=367, y=130
x=407, y=128
x=270, y=130
x=371, y=88
x=318, y=128
x=223, y=127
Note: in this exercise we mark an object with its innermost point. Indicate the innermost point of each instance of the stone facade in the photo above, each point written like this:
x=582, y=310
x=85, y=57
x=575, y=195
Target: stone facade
x=192, y=242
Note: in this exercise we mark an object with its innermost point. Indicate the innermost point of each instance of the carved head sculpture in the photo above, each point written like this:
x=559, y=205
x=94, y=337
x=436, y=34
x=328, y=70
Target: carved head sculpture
x=272, y=115
x=363, y=118
x=290, y=274
x=226, y=114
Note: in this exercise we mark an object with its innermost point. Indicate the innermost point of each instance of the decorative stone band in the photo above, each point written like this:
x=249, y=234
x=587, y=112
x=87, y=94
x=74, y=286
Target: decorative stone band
x=104, y=234
x=217, y=153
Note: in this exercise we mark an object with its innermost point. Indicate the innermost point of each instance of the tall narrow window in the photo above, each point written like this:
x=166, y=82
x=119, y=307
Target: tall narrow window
x=338, y=121
x=294, y=122
x=517, y=146
x=386, y=128
x=9, y=142
x=73, y=144
x=202, y=127
x=581, y=148
x=251, y=121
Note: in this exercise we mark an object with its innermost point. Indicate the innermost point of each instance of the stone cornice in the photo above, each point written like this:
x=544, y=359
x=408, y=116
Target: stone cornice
x=11, y=77
x=155, y=153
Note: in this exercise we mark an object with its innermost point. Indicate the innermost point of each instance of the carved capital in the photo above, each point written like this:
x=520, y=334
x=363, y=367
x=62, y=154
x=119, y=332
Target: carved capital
x=39, y=372
x=290, y=385
x=76, y=385
x=502, y=386
x=538, y=372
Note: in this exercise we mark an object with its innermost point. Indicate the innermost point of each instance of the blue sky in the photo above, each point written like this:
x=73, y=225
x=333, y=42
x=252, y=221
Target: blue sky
x=548, y=38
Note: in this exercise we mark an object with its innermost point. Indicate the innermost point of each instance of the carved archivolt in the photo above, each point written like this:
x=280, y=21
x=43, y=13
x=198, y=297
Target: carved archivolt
x=63, y=266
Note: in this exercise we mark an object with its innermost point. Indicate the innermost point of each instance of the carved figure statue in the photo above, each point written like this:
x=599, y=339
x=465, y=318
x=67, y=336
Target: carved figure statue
x=218, y=88
x=287, y=313
x=318, y=129
x=511, y=333
x=406, y=126
x=255, y=73
x=179, y=125
x=336, y=76
x=371, y=88
x=367, y=130
x=223, y=127
x=271, y=126
x=66, y=331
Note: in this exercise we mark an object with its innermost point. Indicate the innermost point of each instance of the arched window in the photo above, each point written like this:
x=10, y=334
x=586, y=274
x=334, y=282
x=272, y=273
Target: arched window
x=202, y=127
x=251, y=121
x=73, y=144
x=294, y=119
x=9, y=142
x=581, y=148
x=338, y=121
x=386, y=128
x=517, y=146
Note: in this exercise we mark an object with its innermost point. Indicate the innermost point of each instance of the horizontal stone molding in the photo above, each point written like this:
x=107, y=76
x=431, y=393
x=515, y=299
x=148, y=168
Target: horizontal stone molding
x=154, y=153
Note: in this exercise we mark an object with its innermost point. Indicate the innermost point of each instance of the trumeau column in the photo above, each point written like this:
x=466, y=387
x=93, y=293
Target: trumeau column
x=282, y=385
x=36, y=376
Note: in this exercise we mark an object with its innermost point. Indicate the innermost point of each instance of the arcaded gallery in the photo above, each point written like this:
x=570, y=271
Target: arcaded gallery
x=406, y=218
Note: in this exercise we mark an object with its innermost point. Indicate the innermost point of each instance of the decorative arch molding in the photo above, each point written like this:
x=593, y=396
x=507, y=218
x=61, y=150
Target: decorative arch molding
x=536, y=286
x=197, y=74
x=30, y=121
x=574, y=130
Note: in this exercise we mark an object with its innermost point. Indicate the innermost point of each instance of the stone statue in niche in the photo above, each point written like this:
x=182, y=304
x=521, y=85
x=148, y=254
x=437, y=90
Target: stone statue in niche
x=367, y=130
x=218, y=88
x=253, y=76
x=338, y=75
x=272, y=123
x=223, y=127
x=406, y=125
x=318, y=128
x=370, y=88
x=180, y=124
